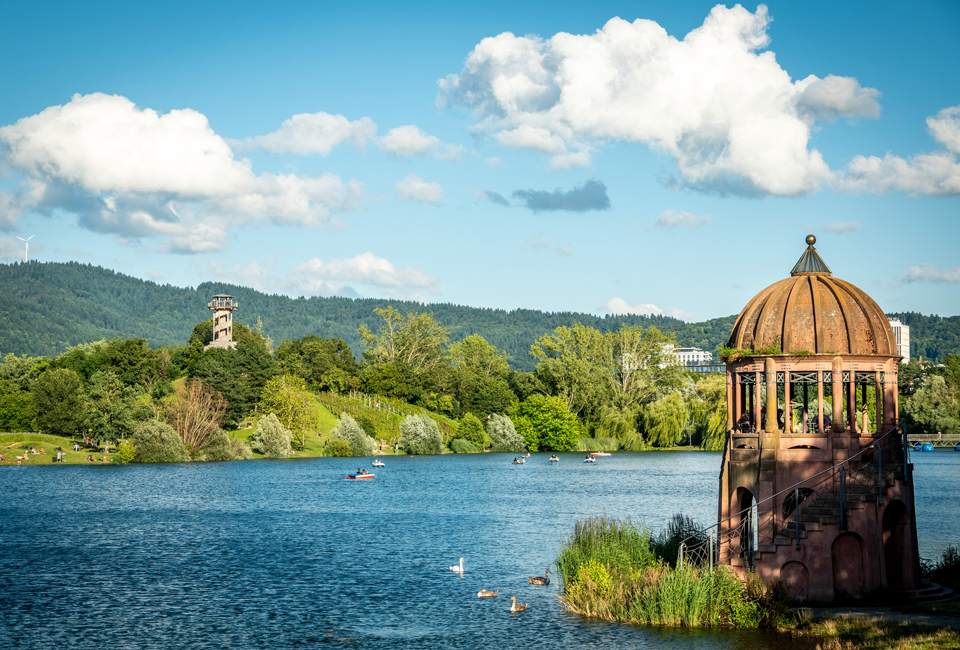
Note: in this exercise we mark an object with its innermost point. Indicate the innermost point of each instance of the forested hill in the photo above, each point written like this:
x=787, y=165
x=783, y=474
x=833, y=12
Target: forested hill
x=44, y=307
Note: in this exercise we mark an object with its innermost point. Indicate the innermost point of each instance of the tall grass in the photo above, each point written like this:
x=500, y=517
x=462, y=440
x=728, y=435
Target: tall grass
x=619, y=571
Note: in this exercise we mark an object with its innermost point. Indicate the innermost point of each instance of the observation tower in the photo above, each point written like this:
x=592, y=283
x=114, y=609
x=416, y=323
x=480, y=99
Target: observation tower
x=223, y=307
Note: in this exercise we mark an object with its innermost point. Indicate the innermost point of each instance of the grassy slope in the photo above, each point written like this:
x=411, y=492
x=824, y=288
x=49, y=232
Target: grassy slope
x=11, y=446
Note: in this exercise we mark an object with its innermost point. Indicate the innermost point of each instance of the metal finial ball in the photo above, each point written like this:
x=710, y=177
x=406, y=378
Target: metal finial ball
x=811, y=240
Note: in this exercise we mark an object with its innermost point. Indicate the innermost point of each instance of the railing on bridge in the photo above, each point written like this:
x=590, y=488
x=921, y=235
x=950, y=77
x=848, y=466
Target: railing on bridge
x=823, y=498
x=949, y=440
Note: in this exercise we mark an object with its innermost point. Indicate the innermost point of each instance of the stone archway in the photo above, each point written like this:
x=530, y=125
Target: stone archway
x=848, y=568
x=744, y=505
x=795, y=580
x=896, y=543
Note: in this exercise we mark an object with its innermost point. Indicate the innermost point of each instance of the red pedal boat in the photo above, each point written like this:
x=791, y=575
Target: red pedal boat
x=359, y=476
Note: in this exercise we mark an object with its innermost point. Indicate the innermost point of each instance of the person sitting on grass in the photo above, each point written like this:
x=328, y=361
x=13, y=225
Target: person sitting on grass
x=42, y=450
x=90, y=458
x=33, y=449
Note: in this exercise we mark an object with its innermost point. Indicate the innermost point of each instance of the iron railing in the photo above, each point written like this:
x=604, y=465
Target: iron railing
x=823, y=498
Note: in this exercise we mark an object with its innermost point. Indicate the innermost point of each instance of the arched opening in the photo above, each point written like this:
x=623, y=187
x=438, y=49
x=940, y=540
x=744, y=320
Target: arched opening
x=848, y=571
x=896, y=529
x=795, y=580
x=746, y=522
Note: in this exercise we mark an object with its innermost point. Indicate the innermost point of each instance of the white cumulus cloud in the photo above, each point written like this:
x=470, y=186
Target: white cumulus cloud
x=414, y=188
x=721, y=106
x=139, y=173
x=408, y=140
x=932, y=273
x=313, y=133
x=928, y=174
x=619, y=306
x=317, y=276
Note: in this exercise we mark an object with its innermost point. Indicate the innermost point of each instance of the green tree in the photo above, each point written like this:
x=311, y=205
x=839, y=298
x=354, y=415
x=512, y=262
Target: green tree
x=708, y=411
x=636, y=365
x=347, y=429
x=111, y=409
x=471, y=429
x=570, y=361
x=504, y=436
x=546, y=424
x=325, y=363
x=420, y=435
x=415, y=340
x=286, y=396
x=934, y=407
x=477, y=357
x=21, y=371
x=156, y=442
x=16, y=407
x=390, y=379
x=665, y=420
x=238, y=374
x=58, y=402
x=271, y=438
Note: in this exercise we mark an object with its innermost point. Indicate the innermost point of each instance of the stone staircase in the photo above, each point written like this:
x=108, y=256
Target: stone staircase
x=928, y=593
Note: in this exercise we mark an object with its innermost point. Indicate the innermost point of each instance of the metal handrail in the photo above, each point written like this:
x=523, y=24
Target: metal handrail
x=795, y=488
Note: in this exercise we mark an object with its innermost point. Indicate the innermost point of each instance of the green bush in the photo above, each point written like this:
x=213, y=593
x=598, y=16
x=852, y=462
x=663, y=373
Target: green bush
x=360, y=443
x=271, y=438
x=461, y=446
x=420, y=435
x=127, y=451
x=471, y=429
x=503, y=436
x=222, y=446
x=546, y=424
x=339, y=447
x=946, y=571
x=157, y=442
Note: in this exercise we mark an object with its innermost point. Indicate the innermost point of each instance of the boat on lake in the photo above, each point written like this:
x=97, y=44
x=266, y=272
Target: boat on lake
x=519, y=461
x=590, y=460
x=378, y=463
x=359, y=476
x=554, y=459
x=600, y=453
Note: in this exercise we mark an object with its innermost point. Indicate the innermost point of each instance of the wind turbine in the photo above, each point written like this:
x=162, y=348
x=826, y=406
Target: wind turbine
x=26, y=247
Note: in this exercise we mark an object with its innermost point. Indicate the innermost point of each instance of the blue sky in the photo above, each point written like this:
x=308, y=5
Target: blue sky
x=554, y=156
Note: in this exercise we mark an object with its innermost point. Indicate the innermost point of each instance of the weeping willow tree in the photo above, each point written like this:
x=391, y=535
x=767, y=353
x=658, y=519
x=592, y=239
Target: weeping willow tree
x=622, y=426
x=665, y=420
x=708, y=412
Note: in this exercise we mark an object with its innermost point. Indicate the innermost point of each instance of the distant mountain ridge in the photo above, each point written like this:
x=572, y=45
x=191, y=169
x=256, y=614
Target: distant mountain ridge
x=45, y=307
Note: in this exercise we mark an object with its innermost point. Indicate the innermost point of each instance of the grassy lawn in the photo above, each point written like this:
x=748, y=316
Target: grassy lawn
x=11, y=446
x=876, y=634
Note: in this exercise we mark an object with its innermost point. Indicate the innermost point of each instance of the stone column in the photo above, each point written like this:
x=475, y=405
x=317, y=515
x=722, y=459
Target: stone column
x=756, y=402
x=852, y=402
x=771, y=376
x=820, y=402
x=731, y=407
x=787, y=408
x=837, y=395
x=878, y=410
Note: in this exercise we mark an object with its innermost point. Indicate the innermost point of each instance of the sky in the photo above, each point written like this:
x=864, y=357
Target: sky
x=602, y=157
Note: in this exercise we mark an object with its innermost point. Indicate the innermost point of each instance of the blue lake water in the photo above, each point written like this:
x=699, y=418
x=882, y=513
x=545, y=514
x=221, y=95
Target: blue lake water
x=279, y=554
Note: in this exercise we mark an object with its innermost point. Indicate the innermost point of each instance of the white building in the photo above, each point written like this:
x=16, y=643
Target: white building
x=690, y=356
x=902, y=332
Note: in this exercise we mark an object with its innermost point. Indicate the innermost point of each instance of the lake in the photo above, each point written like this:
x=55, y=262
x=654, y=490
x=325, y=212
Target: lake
x=274, y=554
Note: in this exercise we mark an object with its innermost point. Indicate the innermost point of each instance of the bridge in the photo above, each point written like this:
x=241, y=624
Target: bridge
x=948, y=440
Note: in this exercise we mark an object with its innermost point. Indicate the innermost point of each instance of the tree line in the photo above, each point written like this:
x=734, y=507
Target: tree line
x=588, y=384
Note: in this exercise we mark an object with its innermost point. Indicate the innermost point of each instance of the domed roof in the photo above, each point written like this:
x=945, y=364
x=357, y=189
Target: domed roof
x=814, y=312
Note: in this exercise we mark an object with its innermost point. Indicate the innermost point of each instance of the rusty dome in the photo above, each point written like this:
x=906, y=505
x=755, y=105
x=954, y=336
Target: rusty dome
x=813, y=312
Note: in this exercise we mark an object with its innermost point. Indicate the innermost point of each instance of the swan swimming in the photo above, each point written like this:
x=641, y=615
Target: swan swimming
x=457, y=569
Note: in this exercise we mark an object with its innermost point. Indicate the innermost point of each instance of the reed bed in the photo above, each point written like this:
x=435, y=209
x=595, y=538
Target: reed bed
x=597, y=444
x=619, y=571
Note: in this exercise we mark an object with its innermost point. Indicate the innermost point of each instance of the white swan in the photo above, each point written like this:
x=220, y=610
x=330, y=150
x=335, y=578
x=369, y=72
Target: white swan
x=457, y=569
